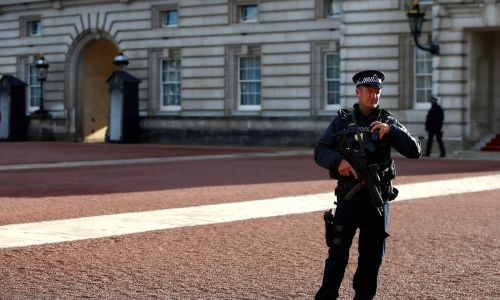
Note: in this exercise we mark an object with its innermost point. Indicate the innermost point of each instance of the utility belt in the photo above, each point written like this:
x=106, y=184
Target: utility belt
x=347, y=189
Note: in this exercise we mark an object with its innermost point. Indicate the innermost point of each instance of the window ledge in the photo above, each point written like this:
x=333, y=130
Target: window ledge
x=163, y=112
x=170, y=108
x=245, y=112
x=250, y=108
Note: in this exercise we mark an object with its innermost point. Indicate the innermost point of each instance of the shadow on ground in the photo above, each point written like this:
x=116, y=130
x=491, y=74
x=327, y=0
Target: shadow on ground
x=175, y=175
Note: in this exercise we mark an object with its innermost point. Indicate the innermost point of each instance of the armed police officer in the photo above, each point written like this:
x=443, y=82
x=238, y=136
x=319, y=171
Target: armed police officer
x=356, y=148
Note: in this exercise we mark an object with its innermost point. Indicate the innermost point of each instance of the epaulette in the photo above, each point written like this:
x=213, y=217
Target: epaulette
x=345, y=113
x=385, y=112
x=386, y=116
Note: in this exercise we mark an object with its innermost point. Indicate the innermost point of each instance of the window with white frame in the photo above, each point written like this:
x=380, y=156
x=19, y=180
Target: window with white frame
x=332, y=79
x=249, y=82
x=170, y=84
x=248, y=13
x=170, y=18
x=34, y=88
x=334, y=8
x=422, y=74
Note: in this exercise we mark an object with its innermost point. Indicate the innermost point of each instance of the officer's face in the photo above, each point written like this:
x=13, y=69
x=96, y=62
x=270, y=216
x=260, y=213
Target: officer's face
x=368, y=97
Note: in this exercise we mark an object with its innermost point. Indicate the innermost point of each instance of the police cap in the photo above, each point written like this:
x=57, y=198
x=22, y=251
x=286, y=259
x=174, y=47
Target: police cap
x=372, y=78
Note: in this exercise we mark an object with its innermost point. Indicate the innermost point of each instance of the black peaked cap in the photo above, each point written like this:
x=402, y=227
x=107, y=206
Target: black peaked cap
x=372, y=78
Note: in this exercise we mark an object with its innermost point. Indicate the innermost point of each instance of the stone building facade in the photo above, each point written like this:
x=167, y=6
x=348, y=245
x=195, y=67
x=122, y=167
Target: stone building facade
x=270, y=72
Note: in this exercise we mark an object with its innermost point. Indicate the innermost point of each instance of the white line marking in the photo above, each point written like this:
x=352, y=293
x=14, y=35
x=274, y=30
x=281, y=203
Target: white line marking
x=148, y=160
x=22, y=235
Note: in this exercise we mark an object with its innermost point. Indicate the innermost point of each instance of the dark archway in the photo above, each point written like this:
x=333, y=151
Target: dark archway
x=485, y=76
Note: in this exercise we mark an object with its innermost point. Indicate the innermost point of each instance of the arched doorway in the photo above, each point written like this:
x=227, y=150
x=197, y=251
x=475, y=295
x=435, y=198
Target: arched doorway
x=97, y=67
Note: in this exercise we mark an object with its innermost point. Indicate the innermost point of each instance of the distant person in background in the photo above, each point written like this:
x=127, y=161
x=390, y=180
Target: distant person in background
x=434, y=126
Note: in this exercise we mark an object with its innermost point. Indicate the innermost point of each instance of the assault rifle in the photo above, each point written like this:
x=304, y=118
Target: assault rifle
x=369, y=178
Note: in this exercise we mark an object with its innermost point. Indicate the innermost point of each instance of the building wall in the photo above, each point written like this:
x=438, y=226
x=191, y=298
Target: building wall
x=286, y=36
x=466, y=69
x=291, y=37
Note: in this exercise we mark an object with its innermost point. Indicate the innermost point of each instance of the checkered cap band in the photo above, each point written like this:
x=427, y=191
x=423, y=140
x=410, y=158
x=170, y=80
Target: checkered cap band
x=369, y=80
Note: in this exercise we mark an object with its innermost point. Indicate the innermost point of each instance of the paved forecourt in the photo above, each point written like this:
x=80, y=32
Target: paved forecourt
x=19, y=235
x=140, y=237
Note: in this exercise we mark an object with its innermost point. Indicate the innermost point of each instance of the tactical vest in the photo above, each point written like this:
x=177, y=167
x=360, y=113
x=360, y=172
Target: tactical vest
x=354, y=137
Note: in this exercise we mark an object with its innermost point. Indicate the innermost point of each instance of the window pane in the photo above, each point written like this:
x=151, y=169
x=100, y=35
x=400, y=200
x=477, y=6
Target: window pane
x=250, y=62
x=329, y=73
x=245, y=88
x=249, y=78
x=164, y=72
x=336, y=60
x=177, y=75
x=35, y=93
x=254, y=74
x=248, y=13
x=420, y=80
x=428, y=81
x=35, y=27
x=422, y=75
x=165, y=94
x=173, y=17
x=421, y=96
x=249, y=74
x=334, y=7
x=336, y=73
x=171, y=82
x=170, y=18
x=332, y=79
x=244, y=99
x=329, y=60
x=34, y=88
x=333, y=99
x=428, y=66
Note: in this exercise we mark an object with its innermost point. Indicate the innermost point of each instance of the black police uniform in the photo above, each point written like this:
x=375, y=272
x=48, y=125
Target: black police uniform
x=358, y=211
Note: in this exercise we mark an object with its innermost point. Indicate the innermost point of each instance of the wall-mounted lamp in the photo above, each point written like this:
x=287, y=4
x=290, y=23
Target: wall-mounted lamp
x=416, y=19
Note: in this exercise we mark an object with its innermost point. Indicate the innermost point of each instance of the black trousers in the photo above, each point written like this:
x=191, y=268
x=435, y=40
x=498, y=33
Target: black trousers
x=439, y=138
x=351, y=215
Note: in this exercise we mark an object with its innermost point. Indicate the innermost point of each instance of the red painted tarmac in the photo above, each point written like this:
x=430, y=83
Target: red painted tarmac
x=440, y=248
